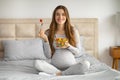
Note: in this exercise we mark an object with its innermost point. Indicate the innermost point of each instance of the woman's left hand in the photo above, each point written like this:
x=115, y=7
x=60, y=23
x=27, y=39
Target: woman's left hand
x=66, y=45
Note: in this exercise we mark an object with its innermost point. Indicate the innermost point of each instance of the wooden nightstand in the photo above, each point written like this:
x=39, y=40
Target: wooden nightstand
x=115, y=53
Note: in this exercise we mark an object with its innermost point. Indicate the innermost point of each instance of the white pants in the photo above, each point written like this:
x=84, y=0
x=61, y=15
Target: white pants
x=79, y=68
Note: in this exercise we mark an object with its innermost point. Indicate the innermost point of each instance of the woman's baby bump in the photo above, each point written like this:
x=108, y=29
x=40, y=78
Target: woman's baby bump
x=63, y=59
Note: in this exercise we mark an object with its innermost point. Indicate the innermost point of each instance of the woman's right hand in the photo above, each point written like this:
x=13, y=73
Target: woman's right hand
x=43, y=35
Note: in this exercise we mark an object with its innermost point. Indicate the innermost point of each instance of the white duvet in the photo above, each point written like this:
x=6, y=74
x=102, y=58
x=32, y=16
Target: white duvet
x=24, y=70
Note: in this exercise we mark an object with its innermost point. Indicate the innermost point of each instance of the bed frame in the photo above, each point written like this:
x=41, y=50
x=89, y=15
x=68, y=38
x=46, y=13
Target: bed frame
x=28, y=29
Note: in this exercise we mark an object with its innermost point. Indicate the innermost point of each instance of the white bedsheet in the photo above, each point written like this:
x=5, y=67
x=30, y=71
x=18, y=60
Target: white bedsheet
x=24, y=70
x=103, y=75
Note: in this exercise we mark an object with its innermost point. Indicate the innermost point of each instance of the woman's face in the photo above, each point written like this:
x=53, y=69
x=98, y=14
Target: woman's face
x=60, y=17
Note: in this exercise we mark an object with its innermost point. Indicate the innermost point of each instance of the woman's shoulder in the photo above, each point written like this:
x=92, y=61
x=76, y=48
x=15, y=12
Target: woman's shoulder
x=74, y=28
x=76, y=32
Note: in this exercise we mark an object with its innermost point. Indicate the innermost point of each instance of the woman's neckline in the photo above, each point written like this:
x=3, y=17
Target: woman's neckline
x=59, y=34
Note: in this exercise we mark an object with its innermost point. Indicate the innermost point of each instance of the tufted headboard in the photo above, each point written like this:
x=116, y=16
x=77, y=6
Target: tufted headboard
x=28, y=29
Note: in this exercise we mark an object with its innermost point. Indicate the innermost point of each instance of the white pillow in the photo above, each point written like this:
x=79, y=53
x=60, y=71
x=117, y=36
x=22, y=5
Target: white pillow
x=43, y=66
x=23, y=49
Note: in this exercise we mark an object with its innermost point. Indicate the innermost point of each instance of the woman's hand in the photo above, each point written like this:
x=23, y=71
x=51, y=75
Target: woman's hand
x=43, y=35
x=66, y=45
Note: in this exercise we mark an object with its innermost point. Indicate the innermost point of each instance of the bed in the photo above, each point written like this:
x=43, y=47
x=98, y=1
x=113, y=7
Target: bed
x=14, y=65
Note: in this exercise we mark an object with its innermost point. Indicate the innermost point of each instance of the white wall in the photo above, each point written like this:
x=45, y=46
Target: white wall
x=104, y=10
x=119, y=5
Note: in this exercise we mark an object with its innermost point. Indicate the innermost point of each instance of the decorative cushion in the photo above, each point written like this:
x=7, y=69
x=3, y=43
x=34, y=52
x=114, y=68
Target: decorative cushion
x=82, y=49
x=23, y=49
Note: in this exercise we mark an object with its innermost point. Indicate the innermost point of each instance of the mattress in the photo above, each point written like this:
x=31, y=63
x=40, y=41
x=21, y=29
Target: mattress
x=24, y=70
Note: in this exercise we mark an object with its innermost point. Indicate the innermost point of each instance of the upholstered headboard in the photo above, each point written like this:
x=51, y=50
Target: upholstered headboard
x=29, y=28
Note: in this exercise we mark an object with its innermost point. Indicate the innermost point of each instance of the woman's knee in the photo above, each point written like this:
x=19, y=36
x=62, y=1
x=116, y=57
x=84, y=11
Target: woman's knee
x=86, y=64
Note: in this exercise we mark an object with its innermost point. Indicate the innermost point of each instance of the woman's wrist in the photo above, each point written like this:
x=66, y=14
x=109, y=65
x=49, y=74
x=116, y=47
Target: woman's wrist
x=46, y=40
x=68, y=46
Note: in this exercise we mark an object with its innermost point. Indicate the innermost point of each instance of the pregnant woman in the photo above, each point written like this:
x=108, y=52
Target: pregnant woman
x=61, y=43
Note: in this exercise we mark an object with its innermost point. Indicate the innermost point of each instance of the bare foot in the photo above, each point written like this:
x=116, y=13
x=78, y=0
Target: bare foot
x=58, y=74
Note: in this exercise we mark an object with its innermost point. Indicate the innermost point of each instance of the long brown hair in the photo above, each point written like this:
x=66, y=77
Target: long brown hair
x=69, y=32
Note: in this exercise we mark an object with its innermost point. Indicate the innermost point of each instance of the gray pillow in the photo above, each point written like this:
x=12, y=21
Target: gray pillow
x=23, y=49
x=82, y=49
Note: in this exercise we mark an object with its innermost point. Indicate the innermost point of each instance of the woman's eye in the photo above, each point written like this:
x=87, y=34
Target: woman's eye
x=57, y=14
x=63, y=14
